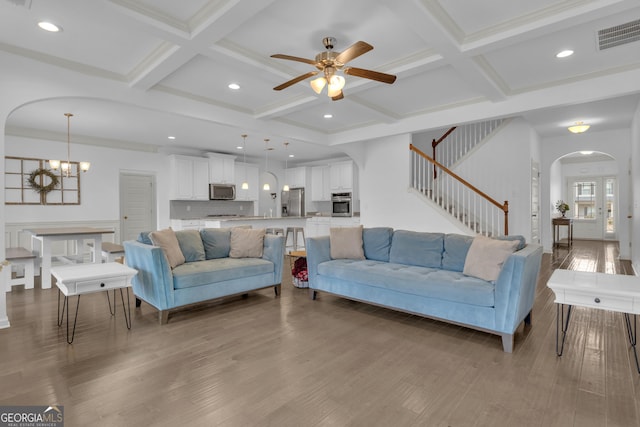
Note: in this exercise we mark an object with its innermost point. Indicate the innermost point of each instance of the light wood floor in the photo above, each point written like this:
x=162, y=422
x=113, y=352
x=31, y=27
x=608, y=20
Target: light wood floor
x=290, y=361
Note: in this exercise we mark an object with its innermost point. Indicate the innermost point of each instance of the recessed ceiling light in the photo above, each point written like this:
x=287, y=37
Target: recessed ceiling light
x=49, y=26
x=234, y=86
x=239, y=147
x=586, y=153
x=328, y=116
x=564, y=53
x=292, y=155
x=171, y=137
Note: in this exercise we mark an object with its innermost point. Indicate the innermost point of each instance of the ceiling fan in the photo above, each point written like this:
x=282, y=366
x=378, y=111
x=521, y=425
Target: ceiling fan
x=329, y=63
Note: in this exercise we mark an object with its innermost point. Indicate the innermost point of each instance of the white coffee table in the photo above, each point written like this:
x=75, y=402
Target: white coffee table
x=614, y=292
x=80, y=279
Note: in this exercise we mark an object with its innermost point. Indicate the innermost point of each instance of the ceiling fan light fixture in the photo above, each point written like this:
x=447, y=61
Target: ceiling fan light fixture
x=336, y=82
x=579, y=127
x=318, y=84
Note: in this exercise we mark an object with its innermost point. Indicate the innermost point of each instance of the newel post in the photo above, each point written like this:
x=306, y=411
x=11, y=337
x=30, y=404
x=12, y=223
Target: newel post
x=505, y=208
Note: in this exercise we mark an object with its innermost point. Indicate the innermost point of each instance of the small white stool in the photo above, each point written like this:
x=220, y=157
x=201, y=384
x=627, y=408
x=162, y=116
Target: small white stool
x=23, y=257
x=110, y=251
x=294, y=231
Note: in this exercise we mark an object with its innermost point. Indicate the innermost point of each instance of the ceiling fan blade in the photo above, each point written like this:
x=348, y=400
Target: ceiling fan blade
x=296, y=80
x=353, y=51
x=368, y=74
x=294, y=58
x=338, y=96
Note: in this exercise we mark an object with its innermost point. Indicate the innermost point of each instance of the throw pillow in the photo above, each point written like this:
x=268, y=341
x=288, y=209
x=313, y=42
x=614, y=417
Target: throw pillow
x=216, y=242
x=487, y=256
x=191, y=245
x=143, y=237
x=346, y=243
x=168, y=241
x=246, y=243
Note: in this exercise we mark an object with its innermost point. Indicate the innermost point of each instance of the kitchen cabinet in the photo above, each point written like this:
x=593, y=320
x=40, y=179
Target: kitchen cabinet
x=252, y=174
x=189, y=178
x=186, y=224
x=320, y=191
x=296, y=177
x=221, y=168
x=341, y=177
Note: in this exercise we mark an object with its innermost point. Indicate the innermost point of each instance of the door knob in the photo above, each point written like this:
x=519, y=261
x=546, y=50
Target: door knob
x=126, y=217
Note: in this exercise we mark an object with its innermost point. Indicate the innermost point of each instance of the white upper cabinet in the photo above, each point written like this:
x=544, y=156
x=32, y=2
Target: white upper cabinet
x=341, y=177
x=221, y=168
x=296, y=177
x=190, y=178
x=320, y=191
x=251, y=173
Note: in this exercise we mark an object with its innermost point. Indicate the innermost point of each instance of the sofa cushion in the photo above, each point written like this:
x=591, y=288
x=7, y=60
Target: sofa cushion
x=521, y=240
x=346, y=242
x=456, y=247
x=216, y=242
x=246, y=243
x=191, y=245
x=486, y=257
x=412, y=280
x=168, y=241
x=219, y=270
x=417, y=248
x=377, y=243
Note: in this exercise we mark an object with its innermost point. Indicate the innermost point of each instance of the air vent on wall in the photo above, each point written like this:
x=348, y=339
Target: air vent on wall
x=618, y=35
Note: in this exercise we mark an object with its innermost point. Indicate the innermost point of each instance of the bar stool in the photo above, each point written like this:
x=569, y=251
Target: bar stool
x=275, y=231
x=295, y=231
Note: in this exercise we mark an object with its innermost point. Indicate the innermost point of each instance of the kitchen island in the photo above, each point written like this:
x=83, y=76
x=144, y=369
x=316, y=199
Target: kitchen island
x=254, y=221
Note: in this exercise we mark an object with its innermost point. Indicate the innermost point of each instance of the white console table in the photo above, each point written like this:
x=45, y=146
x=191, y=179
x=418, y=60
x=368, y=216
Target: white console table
x=614, y=292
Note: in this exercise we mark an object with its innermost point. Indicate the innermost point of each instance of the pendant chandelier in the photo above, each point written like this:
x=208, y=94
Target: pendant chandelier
x=66, y=166
x=245, y=183
x=266, y=186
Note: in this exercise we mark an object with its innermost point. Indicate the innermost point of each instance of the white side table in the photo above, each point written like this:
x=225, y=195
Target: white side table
x=614, y=292
x=80, y=279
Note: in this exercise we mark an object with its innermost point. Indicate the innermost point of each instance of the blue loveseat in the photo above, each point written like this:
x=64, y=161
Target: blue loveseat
x=208, y=273
x=422, y=273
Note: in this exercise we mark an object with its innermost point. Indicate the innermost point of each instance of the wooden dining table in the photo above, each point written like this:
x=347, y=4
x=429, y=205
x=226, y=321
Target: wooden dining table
x=42, y=240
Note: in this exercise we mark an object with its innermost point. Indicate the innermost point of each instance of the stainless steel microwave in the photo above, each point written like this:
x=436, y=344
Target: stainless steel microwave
x=222, y=192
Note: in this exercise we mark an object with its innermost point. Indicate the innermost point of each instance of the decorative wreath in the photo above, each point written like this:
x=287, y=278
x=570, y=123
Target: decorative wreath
x=38, y=176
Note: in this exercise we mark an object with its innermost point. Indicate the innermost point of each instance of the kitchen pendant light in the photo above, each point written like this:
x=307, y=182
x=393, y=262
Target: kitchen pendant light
x=286, y=186
x=66, y=166
x=245, y=183
x=266, y=186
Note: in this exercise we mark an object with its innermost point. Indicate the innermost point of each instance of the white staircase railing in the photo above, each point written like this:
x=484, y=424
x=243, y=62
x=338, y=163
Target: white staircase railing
x=459, y=140
x=461, y=199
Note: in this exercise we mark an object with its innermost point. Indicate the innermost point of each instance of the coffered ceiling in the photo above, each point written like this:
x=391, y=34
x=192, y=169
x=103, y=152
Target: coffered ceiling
x=457, y=61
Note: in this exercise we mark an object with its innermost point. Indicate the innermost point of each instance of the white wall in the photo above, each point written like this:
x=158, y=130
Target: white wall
x=634, y=230
x=617, y=144
x=99, y=186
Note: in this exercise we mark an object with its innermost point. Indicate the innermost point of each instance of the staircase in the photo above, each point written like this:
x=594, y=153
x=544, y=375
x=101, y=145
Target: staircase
x=434, y=180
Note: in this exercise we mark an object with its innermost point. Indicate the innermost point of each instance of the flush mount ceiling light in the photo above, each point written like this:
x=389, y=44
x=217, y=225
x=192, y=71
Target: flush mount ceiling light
x=329, y=63
x=49, y=26
x=66, y=167
x=234, y=86
x=564, y=53
x=579, y=127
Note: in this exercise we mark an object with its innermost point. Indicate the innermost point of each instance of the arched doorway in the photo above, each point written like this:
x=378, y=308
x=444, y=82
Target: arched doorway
x=587, y=182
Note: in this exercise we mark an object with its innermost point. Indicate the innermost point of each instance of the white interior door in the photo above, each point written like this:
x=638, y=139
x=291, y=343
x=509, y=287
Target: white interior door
x=593, y=207
x=137, y=205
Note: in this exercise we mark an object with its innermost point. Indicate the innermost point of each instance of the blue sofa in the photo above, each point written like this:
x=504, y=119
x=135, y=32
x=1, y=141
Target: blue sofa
x=215, y=275
x=422, y=273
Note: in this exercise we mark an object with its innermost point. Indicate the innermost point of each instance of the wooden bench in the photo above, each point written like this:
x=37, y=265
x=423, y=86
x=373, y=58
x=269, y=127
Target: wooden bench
x=111, y=251
x=21, y=256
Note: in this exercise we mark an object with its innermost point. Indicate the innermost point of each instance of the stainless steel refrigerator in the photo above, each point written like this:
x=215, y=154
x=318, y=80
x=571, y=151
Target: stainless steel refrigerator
x=293, y=202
